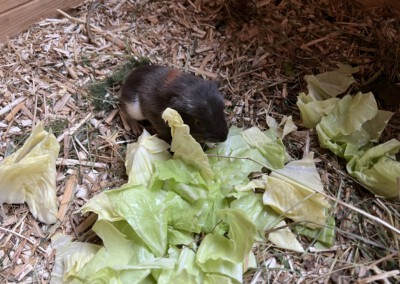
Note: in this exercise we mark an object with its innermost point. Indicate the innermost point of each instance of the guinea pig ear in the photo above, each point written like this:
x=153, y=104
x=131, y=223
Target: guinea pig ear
x=178, y=103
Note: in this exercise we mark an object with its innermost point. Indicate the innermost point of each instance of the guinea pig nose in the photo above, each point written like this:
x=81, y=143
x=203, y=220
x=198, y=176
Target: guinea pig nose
x=224, y=133
x=223, y=136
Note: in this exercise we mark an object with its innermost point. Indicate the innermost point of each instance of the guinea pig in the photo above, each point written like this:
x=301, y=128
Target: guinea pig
x=150, y=89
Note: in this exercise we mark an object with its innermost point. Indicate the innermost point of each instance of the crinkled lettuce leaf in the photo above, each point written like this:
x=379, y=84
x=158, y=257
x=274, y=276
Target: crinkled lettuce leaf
x=244, y=152
x=144, y=211
x=282, y=128
x=265, y=218
x=233, y=248
x=120, y=260
x=224, y=255
x=182, y=221
x=184, y=146
x=29, y=175
x=312, y=110
x=330, y=84
x=140, y=157
x=349, y=127
x=354, y=120
x=186, y=269
x=293, y=192
x=70, y=257
x=268, y=144
x=377, y=169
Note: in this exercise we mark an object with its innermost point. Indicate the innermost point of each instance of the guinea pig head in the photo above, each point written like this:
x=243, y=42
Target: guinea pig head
x=202, y=109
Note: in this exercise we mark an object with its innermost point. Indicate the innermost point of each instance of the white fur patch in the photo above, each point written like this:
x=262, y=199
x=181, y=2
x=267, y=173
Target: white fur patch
x=134, y=111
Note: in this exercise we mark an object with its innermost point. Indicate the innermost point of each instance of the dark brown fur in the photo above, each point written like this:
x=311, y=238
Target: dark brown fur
x=198, y=101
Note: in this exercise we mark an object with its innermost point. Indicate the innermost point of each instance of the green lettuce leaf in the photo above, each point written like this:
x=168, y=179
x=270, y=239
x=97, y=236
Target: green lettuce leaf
x=186, y=269
x=265, y=218
x=121, y=260
x=245, y=152
x=182, y=221
x=234, y=248
x=325, y=235
x=144, y=211
x=224, y=255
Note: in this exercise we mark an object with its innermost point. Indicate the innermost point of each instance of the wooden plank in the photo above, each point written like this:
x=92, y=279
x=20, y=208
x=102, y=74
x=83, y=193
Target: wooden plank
x=6, y=5
x=20, y=18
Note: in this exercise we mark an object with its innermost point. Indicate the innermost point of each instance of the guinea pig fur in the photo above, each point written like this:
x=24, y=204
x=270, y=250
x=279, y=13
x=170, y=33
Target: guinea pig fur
x=150, y=89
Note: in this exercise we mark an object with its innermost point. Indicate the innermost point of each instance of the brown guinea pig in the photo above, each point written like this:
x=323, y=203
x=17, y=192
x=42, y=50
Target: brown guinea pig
x=150, y=89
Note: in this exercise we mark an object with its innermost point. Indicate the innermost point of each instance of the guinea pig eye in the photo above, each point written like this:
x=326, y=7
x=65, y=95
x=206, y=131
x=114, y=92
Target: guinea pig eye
x=199, y=123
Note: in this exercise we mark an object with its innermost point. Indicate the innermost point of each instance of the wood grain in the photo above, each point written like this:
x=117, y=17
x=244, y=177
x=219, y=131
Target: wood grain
x=6, y=5
x=19, y=18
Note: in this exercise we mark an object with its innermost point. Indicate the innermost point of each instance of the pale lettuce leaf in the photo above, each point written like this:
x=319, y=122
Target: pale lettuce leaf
x=295, y=201
x=284, y=238
x=141, y=156
x=101, y=205
x=293, y=192
x=354, y=122
x=377, y=169
x=29, y=175
x=282, y=128
x=70, y=257
x=330, y=84
x=312, y=110
x=184, y=146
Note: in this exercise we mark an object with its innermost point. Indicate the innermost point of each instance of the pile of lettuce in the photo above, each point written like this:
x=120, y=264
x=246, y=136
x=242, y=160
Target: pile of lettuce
x=194, y=217
x=350, y=127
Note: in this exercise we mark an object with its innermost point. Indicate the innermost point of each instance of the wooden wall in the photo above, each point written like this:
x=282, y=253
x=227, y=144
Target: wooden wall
x=17, y=15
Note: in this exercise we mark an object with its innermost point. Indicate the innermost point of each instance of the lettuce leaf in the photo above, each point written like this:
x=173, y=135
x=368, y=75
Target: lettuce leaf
x=182, y=221
x=29, y=175
x=184, y=146
x=144, y=211
x=140, y=158
x=330, y=84
x=293, y=192
x=377, y=169
x=312, y=110
x=349, y=127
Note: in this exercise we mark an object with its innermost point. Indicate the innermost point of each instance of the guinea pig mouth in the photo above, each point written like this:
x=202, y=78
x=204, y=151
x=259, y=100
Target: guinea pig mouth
x=209, y=137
